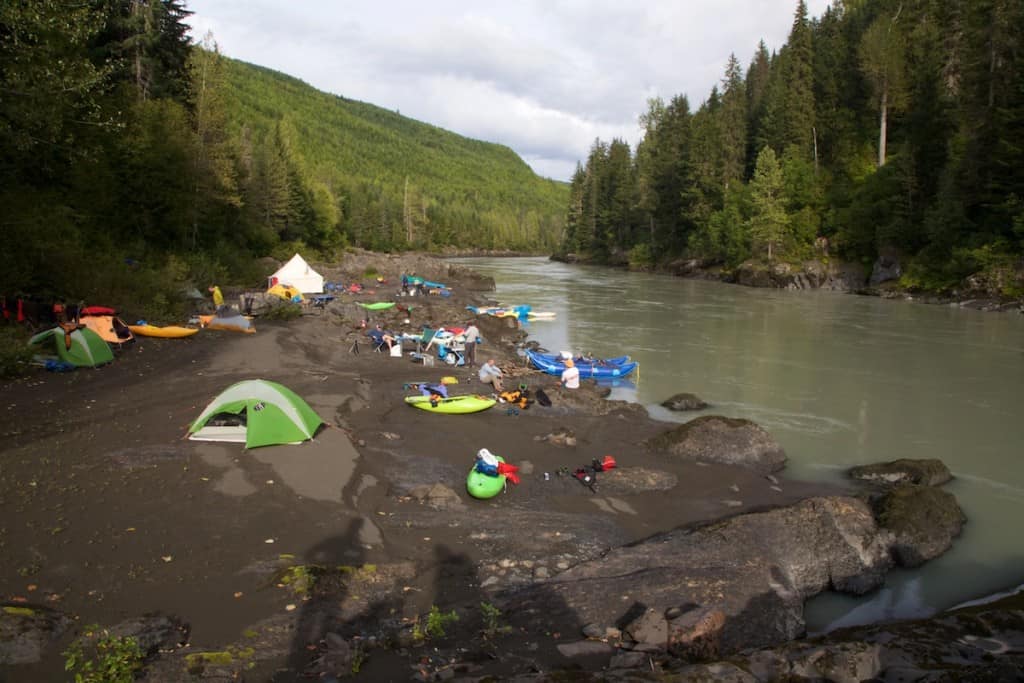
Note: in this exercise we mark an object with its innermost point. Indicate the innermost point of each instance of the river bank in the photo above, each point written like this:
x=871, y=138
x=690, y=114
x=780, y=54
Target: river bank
x=997, y=291
x=282, y=561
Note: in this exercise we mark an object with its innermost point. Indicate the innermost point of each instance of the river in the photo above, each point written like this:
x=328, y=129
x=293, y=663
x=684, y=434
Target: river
x=839, y=380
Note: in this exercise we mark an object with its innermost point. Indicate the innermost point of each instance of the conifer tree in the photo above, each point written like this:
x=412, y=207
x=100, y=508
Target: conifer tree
x=733, y=125
x=796, y=126
x=881, y=58
x=768, y=220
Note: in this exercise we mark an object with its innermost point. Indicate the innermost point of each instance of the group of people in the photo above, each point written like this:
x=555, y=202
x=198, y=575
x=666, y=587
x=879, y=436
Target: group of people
x=490, y=373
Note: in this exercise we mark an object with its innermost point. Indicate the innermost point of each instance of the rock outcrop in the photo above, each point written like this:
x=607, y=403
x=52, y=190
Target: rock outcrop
x=976, y=643
x=923, y=520
x=746, y=577
x=684, y=401
x=813, y=274
x=713, y=438
x=929, y=472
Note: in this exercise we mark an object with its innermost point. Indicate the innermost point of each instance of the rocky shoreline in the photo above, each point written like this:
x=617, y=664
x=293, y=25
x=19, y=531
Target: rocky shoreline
x=360, y=554
x=978, y=292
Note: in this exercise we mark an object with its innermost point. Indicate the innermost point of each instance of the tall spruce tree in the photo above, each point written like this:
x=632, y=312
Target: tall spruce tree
x=796, y=126
x=768, y=220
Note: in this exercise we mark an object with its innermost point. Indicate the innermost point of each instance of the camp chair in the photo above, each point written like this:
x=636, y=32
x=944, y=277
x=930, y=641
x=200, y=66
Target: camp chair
x=425, y=340
x=378, y=340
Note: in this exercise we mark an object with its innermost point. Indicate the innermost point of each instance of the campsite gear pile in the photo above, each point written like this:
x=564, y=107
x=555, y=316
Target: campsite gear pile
x=587, y=475
x=519, y=397
x=488, y=475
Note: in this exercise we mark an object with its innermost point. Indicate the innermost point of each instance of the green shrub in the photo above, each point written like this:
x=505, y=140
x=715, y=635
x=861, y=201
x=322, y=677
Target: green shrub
x=98, y=657
x=492, y=620
x=438, y=620
x=15, y=354
x=285, y=312
x=640, y=257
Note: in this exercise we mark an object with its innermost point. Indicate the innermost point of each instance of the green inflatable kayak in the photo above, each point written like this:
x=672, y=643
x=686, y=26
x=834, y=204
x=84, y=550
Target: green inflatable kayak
x=379, y=306
x=485, y=486
x=453, y=405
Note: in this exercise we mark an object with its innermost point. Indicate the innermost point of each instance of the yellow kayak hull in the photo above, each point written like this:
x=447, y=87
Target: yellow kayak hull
x=168, y=332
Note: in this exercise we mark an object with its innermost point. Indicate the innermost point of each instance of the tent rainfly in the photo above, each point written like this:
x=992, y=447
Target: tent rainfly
x=299, y=275
x=81, y=347
x=256, y=412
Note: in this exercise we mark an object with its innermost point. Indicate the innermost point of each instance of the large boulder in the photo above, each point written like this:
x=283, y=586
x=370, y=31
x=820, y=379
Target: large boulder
x=973, y=643
x=925, y=472
x=742, y=581
x=886, y=268
x=923, y=520
x=731, y=441
x=26, y=632
x=680, y=402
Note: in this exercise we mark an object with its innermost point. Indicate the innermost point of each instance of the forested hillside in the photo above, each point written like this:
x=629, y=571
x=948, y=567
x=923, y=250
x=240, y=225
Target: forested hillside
x=890, y=127
x=396, y=182
x=134, y=162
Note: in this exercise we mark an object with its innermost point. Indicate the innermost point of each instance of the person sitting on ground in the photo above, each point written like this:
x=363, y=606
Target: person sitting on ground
x=380, y=337
x=571, y=376
x=491, y=374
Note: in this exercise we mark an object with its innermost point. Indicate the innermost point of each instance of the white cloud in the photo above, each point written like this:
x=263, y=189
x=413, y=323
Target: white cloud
x=544, y=77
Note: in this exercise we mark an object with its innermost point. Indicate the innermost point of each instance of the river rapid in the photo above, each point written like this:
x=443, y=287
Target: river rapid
x=839, y=380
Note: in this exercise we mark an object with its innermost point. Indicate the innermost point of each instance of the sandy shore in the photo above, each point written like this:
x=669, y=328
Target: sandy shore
x=108, y=513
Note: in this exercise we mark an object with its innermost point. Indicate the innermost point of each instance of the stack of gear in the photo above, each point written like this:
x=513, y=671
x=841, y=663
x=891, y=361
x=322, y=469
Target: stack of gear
x=435, y=391
x=489, y=473
x=519, y=397
x=588, y=475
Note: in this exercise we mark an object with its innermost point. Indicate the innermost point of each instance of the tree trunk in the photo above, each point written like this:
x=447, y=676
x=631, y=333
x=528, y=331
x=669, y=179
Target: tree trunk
x=882, y=122
x=814, y=133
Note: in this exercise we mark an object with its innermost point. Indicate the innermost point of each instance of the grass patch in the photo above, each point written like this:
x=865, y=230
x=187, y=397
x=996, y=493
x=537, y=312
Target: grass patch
x=15, y=354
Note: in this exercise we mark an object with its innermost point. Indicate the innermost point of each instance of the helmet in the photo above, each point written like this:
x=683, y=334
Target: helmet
x=569, y=364
x=484, y=453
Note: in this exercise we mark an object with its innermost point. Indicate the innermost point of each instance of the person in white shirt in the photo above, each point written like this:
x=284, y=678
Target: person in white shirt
x=571, y=376
x=471, y=334
x=490, y=373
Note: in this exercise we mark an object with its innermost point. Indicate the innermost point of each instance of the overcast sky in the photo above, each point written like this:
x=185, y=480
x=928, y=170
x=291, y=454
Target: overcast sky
x=543, y=77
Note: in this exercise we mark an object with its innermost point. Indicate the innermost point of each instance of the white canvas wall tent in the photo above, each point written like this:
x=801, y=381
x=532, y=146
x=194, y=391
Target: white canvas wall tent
x=299, y=275
x=256, y=412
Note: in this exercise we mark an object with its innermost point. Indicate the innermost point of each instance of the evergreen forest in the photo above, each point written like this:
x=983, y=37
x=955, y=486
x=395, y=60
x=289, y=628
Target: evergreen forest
x=135, y=162
x=882, y=127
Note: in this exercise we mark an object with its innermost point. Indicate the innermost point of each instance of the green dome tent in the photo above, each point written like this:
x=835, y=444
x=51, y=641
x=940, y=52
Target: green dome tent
x=256, y=412
x=82, y=347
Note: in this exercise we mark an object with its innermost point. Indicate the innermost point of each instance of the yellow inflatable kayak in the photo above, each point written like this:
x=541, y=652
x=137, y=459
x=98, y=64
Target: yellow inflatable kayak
x=168, y=332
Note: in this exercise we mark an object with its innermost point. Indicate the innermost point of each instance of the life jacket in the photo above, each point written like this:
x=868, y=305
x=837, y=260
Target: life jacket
x=516, y=397
x=68, y=329
x=509, y=471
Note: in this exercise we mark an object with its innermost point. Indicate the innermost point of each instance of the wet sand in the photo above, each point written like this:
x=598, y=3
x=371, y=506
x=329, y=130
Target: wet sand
x=108, y=513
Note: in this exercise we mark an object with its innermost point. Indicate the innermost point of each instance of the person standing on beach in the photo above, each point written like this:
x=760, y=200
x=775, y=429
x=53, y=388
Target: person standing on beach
x=218, y=297
x=490, y=373
x=472, y=334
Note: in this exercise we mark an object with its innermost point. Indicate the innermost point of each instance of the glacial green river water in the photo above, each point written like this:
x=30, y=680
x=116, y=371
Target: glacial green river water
x=839, y=380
